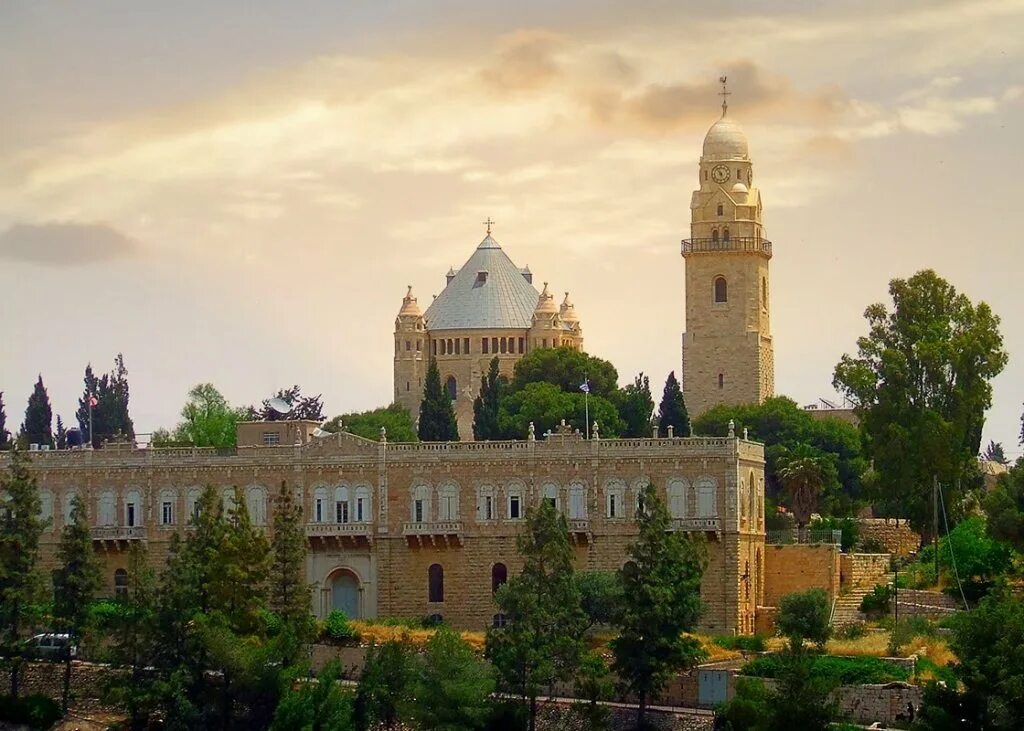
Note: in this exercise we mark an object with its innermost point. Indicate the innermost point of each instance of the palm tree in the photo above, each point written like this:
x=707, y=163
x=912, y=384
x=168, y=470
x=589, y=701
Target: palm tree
x=803, y=479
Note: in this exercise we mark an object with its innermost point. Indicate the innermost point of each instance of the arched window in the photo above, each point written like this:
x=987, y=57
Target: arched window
x=120, y=583
x=435, y=583
x=486, y=508
x=363, y=507
x=550, y=493
x=677, y=489
x=448, y=502
x=764, y=292
x=714, y=235
x=706, y=507
x=721, y=290
x=68, y=504
x=46, y=508
x=256, y=502
x=452, y=387
x=192, y=503
x=228, y=500
x=320, y=506
x=725, y=234
x=499, y=575
x=721, y=380
x=421, y=504
x=720, y=209
x=577, y=501
x=107, y=512
x=133, y=509
x=615, y=499
x=341, y=507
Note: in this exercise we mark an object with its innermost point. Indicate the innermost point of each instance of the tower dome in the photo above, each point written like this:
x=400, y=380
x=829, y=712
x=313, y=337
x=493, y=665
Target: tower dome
x=568, y=310
x=725, y=141
x=410, y=308
x=546, y=303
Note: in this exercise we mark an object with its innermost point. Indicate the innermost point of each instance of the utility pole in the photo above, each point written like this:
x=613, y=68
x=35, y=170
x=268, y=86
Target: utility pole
x=935, y=523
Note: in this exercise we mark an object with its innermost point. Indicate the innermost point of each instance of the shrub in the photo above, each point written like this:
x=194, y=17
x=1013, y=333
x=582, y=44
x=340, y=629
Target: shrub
x=338, y=628
x=878, y=603
x=835, y=670
x=753, y=643
x=748, y=709
x=848, y=526
x=805, y=616
x=432, y=620
x=35, y=711
x=852, y=631
x=872, y=545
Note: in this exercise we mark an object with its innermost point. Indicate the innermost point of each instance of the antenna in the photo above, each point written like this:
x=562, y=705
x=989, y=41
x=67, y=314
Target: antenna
x=280, y=405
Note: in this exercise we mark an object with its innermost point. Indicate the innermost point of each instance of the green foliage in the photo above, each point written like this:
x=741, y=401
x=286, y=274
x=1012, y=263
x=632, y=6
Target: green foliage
x=743, y=643
x=593, y=683
x=5, y=435
x=801, y=473
x=37, y=427
x=542, y=640
x=485, y=405
x=60, y=436
x=601, y=595
x=945, y=708
x=804, y=616
x=851, y=631
x=848, y=527
x=395, y=419
x=545, y=405
x=878, y=603
x=921, y=383
x=437, y=417
x=672, y=409
x=836, y=670
x=451, y=686
x=786, y=429
x=20, y=530
x=636, y=407
x=661, y=601
x=994, y=453
x=1004, y=506
x=110, y=417
x=801, y=699
x=35, y=711
x=565, y=368
x=980, y=560
x=338, y=628
x=384, y=686
x=289, y=594
x=309, y=408
x=749, y=710
x=323, y=705
x=208, y=420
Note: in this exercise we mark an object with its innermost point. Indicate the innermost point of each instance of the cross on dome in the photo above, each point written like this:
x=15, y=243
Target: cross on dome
x=724, y=93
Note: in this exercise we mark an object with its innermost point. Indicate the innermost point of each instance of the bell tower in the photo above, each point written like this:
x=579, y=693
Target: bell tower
x=727, y=346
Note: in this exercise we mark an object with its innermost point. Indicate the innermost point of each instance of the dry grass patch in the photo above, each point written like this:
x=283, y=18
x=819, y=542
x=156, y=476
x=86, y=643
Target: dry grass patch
x=378, y=634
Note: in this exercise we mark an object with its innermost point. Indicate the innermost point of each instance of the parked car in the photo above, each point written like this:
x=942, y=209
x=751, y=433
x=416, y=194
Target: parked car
x=51, y=646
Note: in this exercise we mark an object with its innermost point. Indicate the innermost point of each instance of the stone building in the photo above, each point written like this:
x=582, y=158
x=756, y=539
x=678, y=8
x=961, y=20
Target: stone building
x=727, y=346
x=412, y=530
x=488, y=308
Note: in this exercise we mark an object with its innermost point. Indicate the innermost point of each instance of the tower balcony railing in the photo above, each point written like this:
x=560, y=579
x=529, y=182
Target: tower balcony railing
x=741, y=244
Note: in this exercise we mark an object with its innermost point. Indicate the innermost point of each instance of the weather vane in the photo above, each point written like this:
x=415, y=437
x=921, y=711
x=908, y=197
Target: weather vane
x=724, y=93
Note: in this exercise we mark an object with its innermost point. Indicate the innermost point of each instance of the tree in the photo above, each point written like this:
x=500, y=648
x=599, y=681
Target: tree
x=601, y=595
x=395, y=419
x=289, y=593
x=661, y=601
x=75, y=582
x=921, y=383
x=749, y=710
x=61, y=435
x=20, y=581
x=593, y=683
x=309, y=408
x=994, y=453
x=803, y=616
x=635, y=406
x=5, y=436
x=1004, y=506
x=110, y=418
x=801, y=699
x=451, y=686
x=437, y=417
x=485, y=406
x=979, y=560
x=545, y=406
x=321, y=706
x=208, y=420
x=542, y=639
x=567, y=369
x=384, y=685
x=672, y=410
x=37, y=428
x=802, y=477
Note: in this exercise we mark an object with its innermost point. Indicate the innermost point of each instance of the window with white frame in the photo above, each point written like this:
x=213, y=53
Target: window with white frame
x=706, y=507
x=577, y=501
x=421, y=504
x=46, y=508
x=448, y=502
x=68, y=505
x=320, y=505
x=677, y=489
x=106, y=513
x=167, y=500
x=271, y=438
x=515, y=492
x=614, y=500
x=192, y=500
x=485, y=503
x=550, y=493
x=341, y=505
x=256, y=503
x=363, y=504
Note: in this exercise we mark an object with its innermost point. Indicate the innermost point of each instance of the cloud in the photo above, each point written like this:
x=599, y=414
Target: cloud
x=64, y=244
x=525, y=60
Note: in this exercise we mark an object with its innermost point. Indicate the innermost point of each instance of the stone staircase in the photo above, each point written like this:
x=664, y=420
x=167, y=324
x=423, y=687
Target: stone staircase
x=847, y=607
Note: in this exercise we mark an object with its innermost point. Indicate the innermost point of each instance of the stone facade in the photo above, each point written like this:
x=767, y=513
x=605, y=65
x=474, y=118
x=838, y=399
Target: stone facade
x=896, y=537
x=800, y=567
x=411, y=530
x=727, y=355
x=863, y=570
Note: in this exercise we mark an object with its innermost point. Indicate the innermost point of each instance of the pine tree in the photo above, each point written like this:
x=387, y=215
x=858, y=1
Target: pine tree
x=451, y=686
x=5, y=436
x=38, y=426
x=437, y=417
x=672, y=411
x=20, y=581
x=110, y=418
x=485, y=406
x=661, y=601
x=75, y=582
x=636, y=406
x=542, y=640
x=61, y=437
x=289, y=592
x=238, y=580
x=116, y=403
x=92, y=389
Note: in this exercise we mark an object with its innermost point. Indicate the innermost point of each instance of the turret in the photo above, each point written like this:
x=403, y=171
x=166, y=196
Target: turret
x=410, y=344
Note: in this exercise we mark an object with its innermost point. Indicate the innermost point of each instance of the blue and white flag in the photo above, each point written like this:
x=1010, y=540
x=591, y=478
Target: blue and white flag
x=585, y=387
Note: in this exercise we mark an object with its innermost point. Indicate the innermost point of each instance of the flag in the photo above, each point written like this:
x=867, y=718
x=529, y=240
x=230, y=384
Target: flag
x=585, y=387
x=92, y=401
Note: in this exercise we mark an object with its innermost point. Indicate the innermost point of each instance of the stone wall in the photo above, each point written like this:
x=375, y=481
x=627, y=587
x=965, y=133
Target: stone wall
x=863, y=570
x=899, y=538
x=793, y=568
x=887, y=703
x=932, y=604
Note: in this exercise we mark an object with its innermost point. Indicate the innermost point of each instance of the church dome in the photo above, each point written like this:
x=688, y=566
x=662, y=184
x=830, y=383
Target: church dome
x=738, y=187
x=725, y=141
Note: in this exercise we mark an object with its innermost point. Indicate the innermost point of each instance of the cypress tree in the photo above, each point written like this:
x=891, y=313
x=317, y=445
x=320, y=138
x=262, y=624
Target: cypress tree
x=661, y=601
x=38, y=426
x=75, y=582
x=289, y=592
x=437, y=417
x=91, y=389
x=485, y=406
x=672, y=411
x=5, y=436
x=110, y=418
x=20, y=581
x=61, y=437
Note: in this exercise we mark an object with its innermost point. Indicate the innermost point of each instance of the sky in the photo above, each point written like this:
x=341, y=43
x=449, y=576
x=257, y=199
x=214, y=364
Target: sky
x=239, y=193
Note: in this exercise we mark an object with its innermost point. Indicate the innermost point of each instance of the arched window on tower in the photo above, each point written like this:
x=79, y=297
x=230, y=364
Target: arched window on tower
x=721, y=380
x=452, y=387
x=721, y=290
x=725, y=235
x=721, y=209
x=435, y=583
x=714, y=235
x=764, y=292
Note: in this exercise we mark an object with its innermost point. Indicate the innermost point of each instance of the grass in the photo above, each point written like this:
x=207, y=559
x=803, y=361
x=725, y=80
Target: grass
x=378, y=633
x=840, y=670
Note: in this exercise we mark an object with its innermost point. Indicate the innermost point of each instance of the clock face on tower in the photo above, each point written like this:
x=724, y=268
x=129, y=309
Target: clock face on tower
x=720, y=173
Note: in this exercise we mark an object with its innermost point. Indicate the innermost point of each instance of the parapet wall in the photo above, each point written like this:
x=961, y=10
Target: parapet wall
x=792, y=568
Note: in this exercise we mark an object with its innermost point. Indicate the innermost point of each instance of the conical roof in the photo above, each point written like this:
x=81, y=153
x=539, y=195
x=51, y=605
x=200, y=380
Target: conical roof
x=546, y=302
x=488, y=291
x=410, y=308
x=568, y=310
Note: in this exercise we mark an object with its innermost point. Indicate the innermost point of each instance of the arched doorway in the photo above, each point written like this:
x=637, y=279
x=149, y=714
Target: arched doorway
x=345, y=594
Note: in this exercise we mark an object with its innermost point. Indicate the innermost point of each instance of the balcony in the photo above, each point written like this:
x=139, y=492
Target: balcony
x=698, y=525
x=579, y=530
x=115, y=536
x=341, y=535
x=435, y=533
x=741, y=245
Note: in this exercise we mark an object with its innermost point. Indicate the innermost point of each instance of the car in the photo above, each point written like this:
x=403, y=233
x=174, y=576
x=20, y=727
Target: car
x=51, y=646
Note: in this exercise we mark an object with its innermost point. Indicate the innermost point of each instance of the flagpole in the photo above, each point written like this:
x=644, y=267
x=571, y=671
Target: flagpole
x=586, y=405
